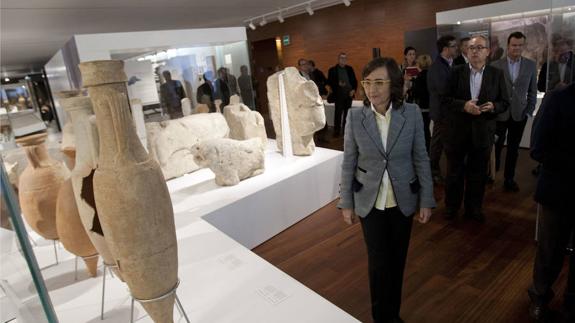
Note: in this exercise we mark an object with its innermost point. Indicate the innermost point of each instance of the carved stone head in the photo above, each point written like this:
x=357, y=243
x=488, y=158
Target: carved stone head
x=305, y=110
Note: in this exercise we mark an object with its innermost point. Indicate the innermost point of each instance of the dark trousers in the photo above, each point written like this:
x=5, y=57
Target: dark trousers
x=556, y=229
x=386, y=235
x=426, y=131
x=436, y=148
x=342, y=105
x=466, y=175
x=514, y=129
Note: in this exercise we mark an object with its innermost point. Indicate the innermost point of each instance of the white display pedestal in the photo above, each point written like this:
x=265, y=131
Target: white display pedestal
x=221, y=279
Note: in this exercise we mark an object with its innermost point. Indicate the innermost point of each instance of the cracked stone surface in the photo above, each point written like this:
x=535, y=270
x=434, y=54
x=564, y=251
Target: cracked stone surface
x=305, y=110
x=231, y=160
x=245, y=123
x=170, y=142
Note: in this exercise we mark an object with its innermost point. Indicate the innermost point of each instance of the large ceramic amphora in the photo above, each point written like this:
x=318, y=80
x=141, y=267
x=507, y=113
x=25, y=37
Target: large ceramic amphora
x=79, y=108
x=39, y=185
x=131, y=196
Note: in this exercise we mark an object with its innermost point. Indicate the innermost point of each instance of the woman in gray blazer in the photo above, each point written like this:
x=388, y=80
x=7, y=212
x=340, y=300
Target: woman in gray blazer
x=386, y=177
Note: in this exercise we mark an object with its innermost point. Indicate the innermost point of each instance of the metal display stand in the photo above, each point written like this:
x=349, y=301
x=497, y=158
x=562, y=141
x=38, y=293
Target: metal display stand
x=168, y=294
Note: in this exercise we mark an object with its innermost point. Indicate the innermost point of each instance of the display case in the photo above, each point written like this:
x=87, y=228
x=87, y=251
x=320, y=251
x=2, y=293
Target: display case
x=548, y=25
x=23, y=294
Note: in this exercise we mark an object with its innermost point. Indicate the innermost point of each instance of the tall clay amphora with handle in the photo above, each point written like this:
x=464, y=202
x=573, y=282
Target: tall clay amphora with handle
x=131, y=196
x=79, y=108
x=39, y=185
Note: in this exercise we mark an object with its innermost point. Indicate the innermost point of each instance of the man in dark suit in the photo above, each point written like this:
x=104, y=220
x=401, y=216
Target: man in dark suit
x=521, y=80
x=561, y=68
x=341, y=79
x=463, y=52
x=171, y=94
x=437, y=84
x=477, y=94
x=552, y=146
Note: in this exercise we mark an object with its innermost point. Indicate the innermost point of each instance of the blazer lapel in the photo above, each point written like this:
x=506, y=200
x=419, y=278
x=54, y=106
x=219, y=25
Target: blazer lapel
x=395, y=126
x=372, y=130
x=506, y=71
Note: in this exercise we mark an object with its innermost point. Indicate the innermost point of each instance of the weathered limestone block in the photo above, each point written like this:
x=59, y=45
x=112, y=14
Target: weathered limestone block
x=245, y=123
x=231, y=160
x=170, y=142
x=305, y=110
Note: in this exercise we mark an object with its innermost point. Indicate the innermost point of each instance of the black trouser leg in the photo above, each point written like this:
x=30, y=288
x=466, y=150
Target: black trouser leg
x=346, y=107
x=436, y=147
x=426, y=131
x=454, y=181
x=337, y=116
x=386, y=235
x=476, y=168
x=515, y=132
x=555, y=229
x=501, y=132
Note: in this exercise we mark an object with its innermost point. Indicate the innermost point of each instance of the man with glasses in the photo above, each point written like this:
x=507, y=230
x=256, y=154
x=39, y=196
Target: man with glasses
x=437, y=83
x=342, y=81
x=521, y=80
x=477, y=94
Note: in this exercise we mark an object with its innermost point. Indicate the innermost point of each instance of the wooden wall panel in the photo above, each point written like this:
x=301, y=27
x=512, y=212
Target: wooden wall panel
x=355, y=30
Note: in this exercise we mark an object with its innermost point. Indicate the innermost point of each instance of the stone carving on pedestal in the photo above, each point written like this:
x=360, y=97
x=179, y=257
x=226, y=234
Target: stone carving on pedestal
x=82, y=118
x=170, y=142
x=305, y=110
x=202, y=108
x=39, y=184
x=231, y=160
x=132, y=199
x=235, y=99
x=218, y=104
x=245, y=123
x=186, y=106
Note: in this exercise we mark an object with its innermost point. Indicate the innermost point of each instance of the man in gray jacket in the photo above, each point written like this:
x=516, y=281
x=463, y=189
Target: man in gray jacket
x=521, y=80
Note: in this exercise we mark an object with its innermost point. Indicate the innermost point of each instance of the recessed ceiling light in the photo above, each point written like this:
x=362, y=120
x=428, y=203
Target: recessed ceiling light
x=309, y=9
x=6, y=80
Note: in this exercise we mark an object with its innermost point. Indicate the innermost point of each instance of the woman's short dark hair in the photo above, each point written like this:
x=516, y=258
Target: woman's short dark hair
x=407, y=49
x=394, y=74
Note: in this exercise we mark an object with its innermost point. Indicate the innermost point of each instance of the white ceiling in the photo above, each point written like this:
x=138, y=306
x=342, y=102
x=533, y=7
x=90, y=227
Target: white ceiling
x=32, y=31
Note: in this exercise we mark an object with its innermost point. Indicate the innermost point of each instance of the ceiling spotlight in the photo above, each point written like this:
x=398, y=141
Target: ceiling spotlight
x=252, y=26
x=459, y=22
x=6, y=80
x=347, y=3
x=280, y=18
x=263, y=22
x=309, y=9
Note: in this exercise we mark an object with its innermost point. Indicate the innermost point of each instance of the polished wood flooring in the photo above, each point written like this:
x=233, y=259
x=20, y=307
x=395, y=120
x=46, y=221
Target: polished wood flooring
x=459, y=271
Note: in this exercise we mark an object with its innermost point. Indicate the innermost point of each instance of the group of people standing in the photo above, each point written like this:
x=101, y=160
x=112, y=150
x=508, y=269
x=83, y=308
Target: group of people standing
x=214, y=87
x=338, y=88
x=475, y=105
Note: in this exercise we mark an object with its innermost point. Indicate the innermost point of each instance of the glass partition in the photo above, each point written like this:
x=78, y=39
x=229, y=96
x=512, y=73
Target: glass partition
x=208, y=76
x=23, y=294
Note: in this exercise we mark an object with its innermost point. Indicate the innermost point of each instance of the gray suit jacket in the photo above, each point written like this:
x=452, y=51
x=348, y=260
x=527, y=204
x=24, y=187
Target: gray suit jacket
x=522, y=93
x=365, y=160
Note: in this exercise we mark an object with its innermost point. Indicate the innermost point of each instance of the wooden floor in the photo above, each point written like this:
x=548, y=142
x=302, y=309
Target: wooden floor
x=456, y=272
